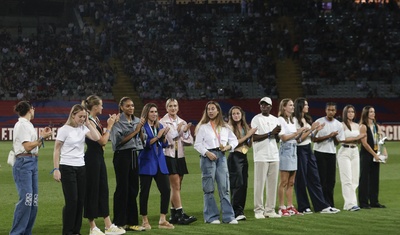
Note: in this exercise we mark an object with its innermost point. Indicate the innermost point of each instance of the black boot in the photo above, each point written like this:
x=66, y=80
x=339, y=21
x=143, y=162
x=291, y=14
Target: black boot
x=173, y=219
x=184, y=218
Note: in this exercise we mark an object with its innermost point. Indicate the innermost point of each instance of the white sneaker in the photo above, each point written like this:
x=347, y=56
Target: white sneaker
x=241, y=217
x=335, y=209
x=234, y=222
x=330, y=210
x=307, y=211
x=215, y=222
x=272, y=214
x=114, y=230
x=259, y=216
x=96, y=231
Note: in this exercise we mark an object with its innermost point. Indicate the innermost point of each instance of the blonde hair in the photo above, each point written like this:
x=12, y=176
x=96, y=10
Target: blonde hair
x=74, y=110
x=169, y=101
x=91, y=101
x=282, y=113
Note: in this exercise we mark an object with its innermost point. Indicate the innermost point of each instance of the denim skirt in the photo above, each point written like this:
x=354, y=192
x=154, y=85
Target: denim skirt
x=287, y=156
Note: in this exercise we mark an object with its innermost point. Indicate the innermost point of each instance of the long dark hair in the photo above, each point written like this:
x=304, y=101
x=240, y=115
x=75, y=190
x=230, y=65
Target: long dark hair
x=299, y=104
x=344, y=115
x=364, y=115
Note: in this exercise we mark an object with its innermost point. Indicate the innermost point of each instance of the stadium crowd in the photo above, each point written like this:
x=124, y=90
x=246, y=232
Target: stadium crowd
x=204, y=53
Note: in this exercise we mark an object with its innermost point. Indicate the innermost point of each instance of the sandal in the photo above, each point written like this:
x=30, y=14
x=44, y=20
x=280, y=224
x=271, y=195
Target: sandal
x=165, y=225
x=146, y=226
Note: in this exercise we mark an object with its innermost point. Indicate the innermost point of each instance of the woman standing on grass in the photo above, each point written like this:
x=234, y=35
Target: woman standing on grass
x=213, y=139
x=348, y=159
x=307, y=176
x=238, y=164
x=69, y=165
x=368, y=190
x=96, y=196
x=287, y=157
x=178, y=135
x=26, y=144
x=152, y=164
x=127, y=139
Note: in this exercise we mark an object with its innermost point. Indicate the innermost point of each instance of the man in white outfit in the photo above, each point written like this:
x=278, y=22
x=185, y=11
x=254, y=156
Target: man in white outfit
x=266, y=160
x=325, y=142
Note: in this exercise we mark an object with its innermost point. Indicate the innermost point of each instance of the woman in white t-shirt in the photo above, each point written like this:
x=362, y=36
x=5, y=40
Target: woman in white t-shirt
x=348, y=159
x=287, y=157
x=69, y=165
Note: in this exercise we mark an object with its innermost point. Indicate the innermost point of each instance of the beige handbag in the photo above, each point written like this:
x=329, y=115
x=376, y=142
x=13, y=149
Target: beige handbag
x=11, y=158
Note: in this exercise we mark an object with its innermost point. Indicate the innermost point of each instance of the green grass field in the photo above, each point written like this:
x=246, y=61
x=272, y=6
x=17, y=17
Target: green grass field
x=51, y=201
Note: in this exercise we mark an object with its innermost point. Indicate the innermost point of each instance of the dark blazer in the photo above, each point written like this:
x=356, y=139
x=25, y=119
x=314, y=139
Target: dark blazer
x=152, y=157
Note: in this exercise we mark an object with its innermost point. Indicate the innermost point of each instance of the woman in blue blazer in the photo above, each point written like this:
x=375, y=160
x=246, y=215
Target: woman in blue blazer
x=152, y=164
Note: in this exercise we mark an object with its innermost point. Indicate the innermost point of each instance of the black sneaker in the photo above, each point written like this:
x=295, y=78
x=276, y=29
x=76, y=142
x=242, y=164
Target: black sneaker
x=378, y=205
x=185, y=219
x=173, y=219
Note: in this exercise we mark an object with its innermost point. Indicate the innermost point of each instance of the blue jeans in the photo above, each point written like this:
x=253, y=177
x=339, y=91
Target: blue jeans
x=216, y=171
x=25, y=172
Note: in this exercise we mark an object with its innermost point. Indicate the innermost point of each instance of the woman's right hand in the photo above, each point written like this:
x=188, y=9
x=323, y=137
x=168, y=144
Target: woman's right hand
x=57, y=175
x=211, y=156
x=376, y=157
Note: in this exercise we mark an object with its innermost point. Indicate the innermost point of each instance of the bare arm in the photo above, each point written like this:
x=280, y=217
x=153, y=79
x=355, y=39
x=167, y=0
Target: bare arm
x=363, y=130
x=249, y=134
x=56, y=160
x=295, y=135
x=44, y=134
x=106, y=136
x=273, y=133
x=323, y=138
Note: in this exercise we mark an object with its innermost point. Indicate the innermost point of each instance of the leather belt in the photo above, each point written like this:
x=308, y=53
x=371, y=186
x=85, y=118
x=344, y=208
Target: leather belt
x=349, y=146
x=27, y=155
x=214, y=149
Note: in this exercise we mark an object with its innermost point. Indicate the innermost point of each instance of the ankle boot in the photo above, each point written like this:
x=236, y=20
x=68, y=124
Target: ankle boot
x=184, y=218
x=173, y=218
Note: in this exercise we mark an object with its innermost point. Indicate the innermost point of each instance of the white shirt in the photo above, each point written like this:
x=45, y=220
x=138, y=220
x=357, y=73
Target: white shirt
x=267, y=149
x=287, y=129
x=24, y=132
x=328, y=146
x=307, y=140
x=354, y=132
x=206, y=138
x=73, y=148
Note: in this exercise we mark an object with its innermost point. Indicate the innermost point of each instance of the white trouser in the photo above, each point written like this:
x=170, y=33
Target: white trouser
x=349, y=170
x=265, y=176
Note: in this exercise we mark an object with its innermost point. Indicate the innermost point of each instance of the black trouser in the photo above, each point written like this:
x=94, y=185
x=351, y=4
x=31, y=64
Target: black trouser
x=238, y=167
x=162, y=182
x=96, y=196
x=368, y=189
x=127, y=188
x=307, y=179
x=73, y=181
x=327, y=173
